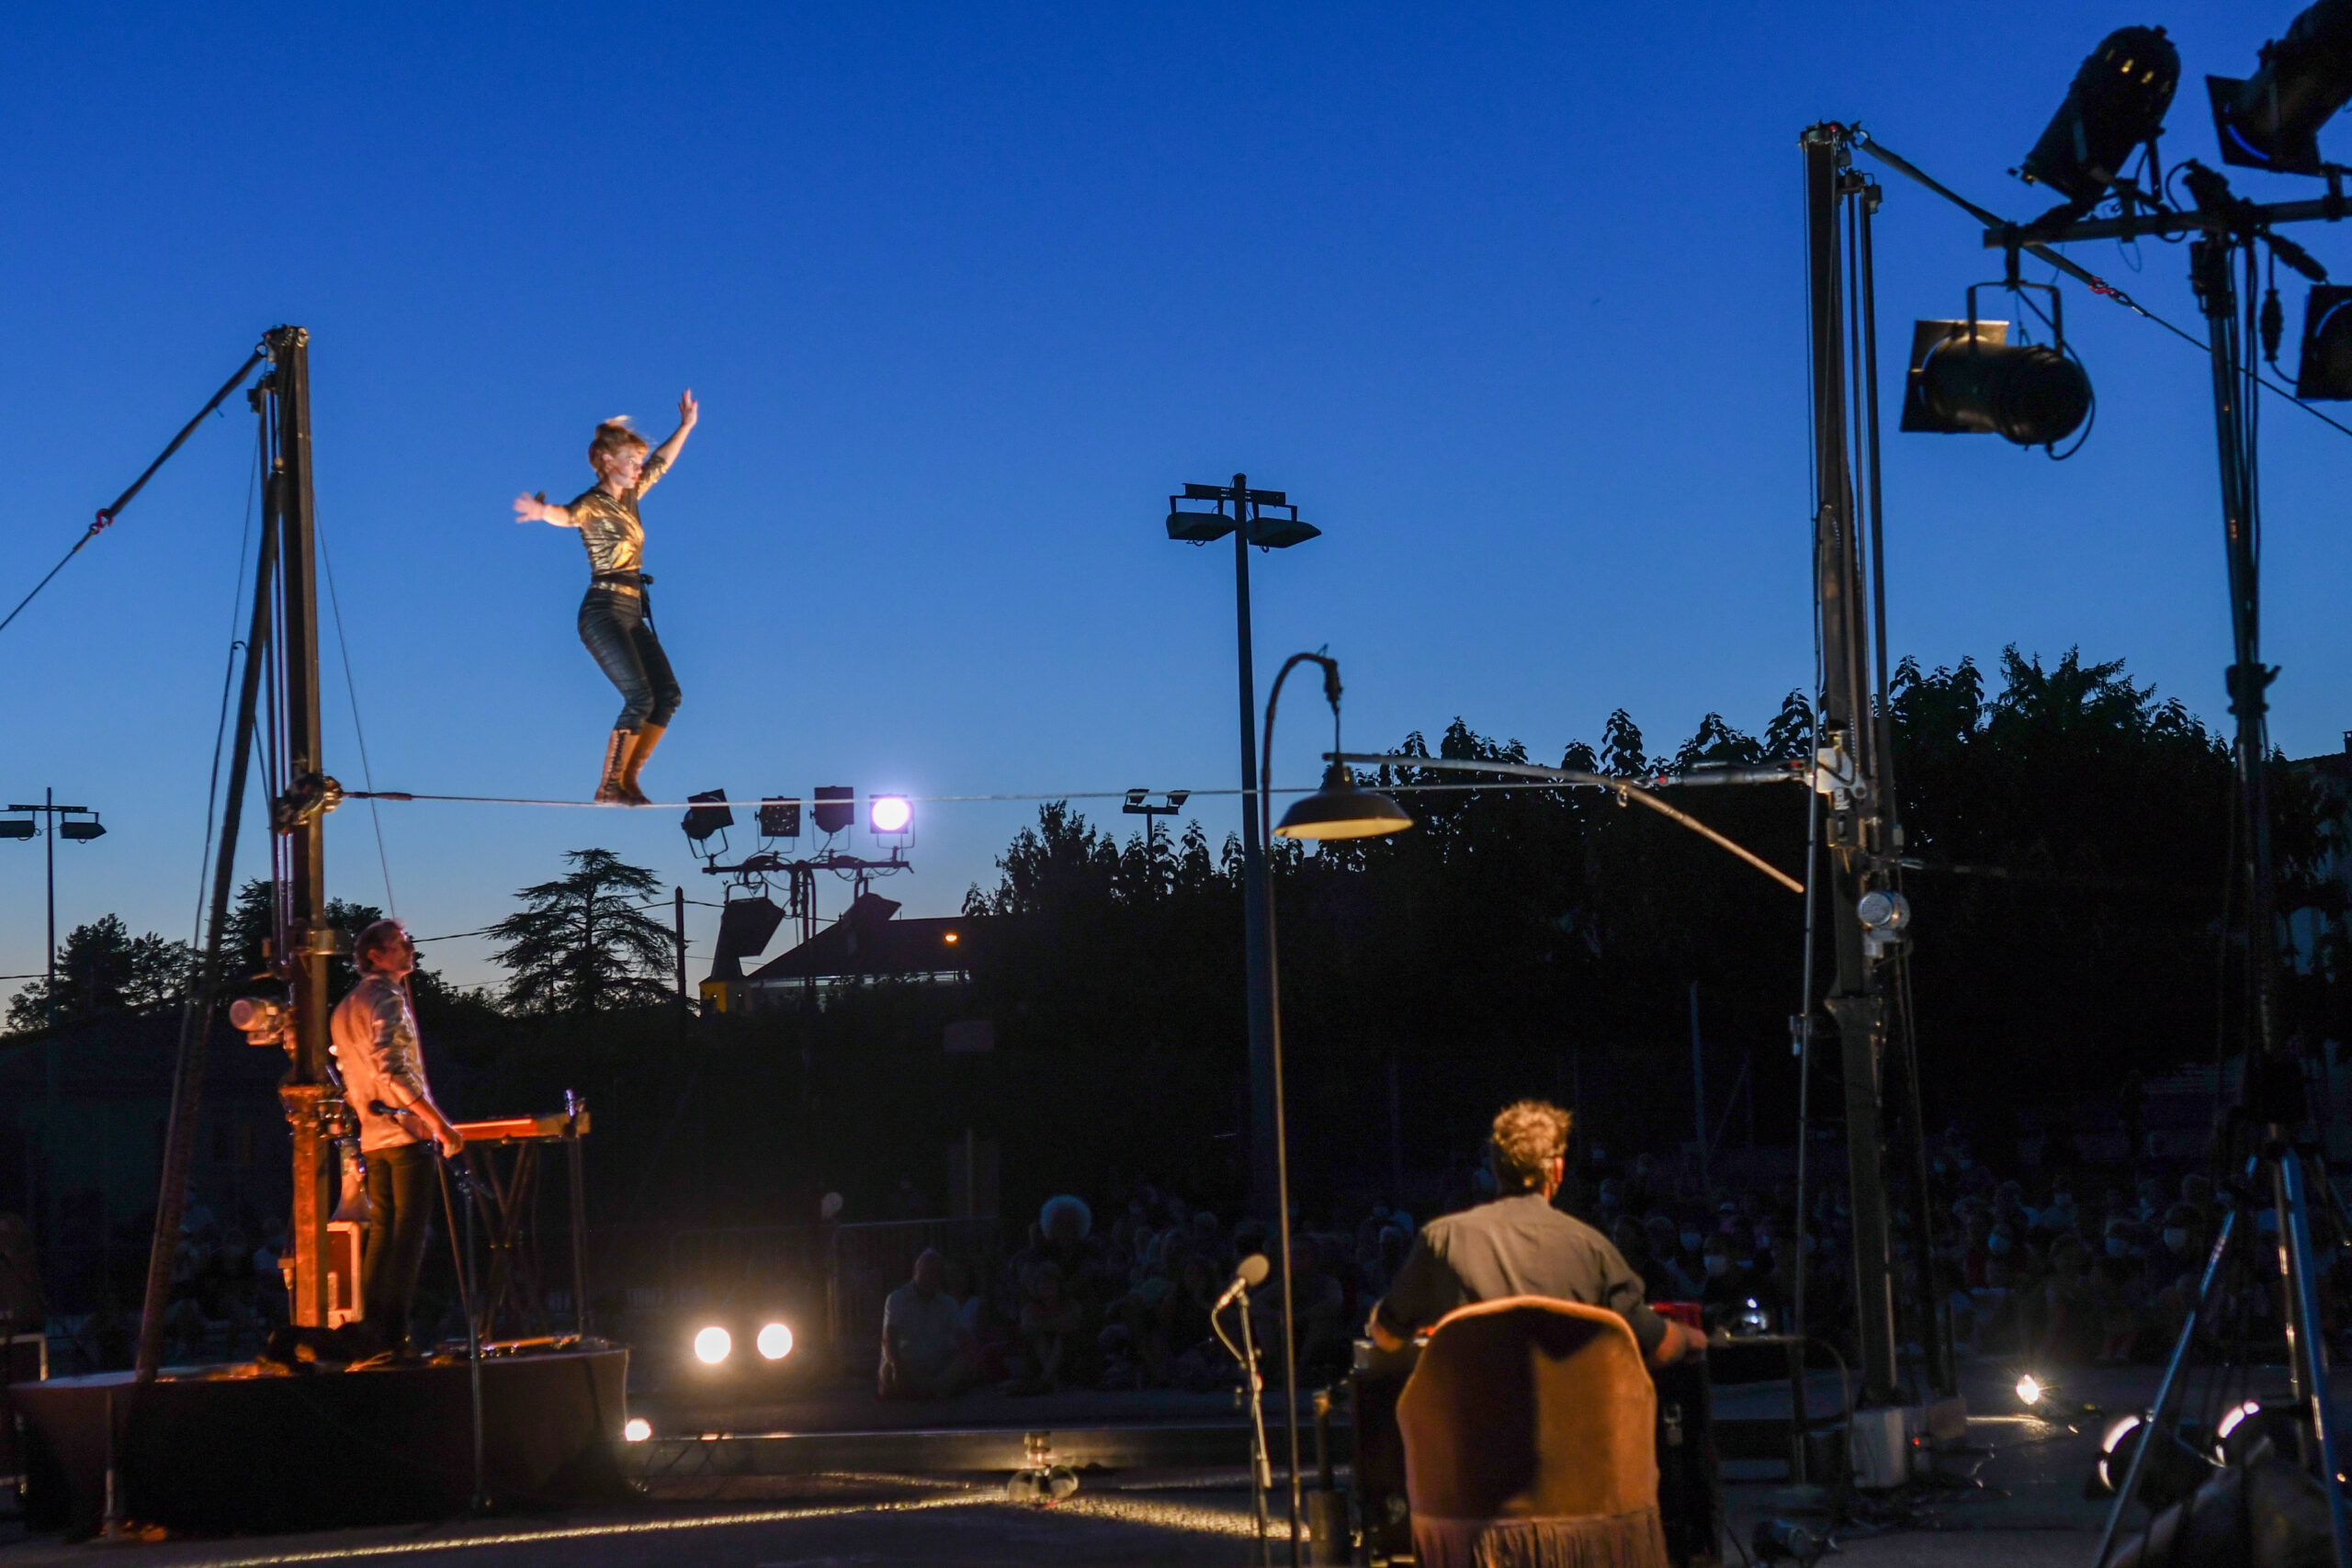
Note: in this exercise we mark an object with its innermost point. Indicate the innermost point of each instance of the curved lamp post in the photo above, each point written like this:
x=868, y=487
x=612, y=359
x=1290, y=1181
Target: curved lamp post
x=1337, y=810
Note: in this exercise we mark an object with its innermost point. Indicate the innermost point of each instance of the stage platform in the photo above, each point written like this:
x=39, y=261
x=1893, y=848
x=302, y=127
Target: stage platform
x=218, y=1451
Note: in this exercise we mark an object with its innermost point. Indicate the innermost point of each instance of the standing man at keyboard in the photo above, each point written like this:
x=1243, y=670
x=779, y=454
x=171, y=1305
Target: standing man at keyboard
x=1519, y=1245
x=382, y=1062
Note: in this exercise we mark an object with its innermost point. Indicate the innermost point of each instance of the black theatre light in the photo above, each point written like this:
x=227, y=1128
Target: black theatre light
x=18, y=829
x=2326, y=369
x=2271, y=119
x=1968, y=379
x=73, y=827
x=744, y=927
x=779, y=819
x=2116, y=104
x=702, y=820
x=835, y=809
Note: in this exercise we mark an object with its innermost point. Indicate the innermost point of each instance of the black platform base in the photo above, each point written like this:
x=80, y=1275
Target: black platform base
x=214, y=1455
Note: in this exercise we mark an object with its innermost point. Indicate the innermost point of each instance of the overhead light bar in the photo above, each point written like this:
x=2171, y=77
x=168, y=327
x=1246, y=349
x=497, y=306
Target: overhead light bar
x=2115, y=106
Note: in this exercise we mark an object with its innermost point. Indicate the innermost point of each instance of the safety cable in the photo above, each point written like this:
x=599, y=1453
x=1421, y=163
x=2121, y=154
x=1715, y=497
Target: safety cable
x=350, y=690
x=107, y=515
x=228, y=677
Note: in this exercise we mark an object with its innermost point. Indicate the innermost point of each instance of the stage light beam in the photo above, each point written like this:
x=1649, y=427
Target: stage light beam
x=775, y=1342
x=713, y=1345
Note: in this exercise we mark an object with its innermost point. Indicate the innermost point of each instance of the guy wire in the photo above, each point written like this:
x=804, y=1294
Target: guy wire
x=351, y=691
x=228, y=676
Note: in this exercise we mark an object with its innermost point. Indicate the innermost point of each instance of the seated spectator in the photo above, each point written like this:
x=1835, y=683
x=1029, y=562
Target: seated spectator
x=1051, y=1323
x=925, y=1354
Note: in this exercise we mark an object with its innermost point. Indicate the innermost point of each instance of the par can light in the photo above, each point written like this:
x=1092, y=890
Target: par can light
x=2271, y=119
x=2326, y=373
x=2116, y=104
x=775, y=1342
x=713, y=1345
x=1965, y=382
x=637, y=1429
x=889, y=814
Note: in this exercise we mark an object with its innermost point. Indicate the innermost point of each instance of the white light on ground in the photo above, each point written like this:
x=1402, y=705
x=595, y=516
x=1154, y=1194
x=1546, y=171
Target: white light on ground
x=637, y=1429
x=775, y=1342
x=2030, y=1390
x=712, y=1345
x=890, y=814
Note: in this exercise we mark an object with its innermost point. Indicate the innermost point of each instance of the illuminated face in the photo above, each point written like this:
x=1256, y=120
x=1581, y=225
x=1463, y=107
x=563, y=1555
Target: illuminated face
x=623, y=468
x=395, y=956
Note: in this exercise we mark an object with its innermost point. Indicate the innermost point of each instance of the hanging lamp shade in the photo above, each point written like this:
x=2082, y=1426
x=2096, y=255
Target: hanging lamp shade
x=1340, y=810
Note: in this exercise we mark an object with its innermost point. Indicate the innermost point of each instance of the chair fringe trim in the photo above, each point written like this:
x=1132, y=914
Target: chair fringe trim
x=1599, y=1540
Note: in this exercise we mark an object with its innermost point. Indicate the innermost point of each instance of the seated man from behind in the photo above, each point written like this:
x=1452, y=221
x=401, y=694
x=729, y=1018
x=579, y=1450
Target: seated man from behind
x=1519, y=1245
x=924, y=1351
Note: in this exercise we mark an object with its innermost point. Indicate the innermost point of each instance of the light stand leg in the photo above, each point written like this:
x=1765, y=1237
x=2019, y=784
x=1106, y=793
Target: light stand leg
x=1262, y=1477
x=2160, y=1409
x=464, y=1260
x=2308, y=1354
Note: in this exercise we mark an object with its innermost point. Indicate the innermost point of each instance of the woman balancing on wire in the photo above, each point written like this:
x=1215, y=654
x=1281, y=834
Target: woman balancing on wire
x=616, y=620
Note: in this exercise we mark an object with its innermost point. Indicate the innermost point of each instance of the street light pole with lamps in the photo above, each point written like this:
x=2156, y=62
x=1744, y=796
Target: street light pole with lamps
x=80, y=832
x=1249, y=523
x=1336, y=810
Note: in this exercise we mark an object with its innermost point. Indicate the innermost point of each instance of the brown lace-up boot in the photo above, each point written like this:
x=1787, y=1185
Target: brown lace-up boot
x=647, y=739
x=617, y=750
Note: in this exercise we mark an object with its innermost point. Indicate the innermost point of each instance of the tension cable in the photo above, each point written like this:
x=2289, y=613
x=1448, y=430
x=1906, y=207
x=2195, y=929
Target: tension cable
x=107, y=515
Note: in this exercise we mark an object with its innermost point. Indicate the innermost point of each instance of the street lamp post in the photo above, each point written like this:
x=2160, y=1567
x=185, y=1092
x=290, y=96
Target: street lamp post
x=1138, y=804
x=80, y=832
x=1336, y=810
x=1250, y=522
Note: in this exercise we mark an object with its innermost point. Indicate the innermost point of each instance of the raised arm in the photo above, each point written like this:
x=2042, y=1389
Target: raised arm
x=688, y=411
x=535, y=509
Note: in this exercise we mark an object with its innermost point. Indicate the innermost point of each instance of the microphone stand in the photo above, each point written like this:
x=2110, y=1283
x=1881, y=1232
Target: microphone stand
x=1262, y=1477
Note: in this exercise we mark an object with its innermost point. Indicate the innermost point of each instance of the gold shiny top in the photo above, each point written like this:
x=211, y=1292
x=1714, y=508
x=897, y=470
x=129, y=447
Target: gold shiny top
x=609, y=525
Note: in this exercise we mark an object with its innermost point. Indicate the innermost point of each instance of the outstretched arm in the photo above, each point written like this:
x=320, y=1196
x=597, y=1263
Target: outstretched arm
x=534, y=509
x=688, y=411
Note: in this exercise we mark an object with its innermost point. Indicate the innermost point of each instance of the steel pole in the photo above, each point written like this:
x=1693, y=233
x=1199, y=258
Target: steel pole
x=1256, y=958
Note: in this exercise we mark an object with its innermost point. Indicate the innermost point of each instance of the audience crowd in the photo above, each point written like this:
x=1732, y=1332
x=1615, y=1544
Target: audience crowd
x=2059, y=1266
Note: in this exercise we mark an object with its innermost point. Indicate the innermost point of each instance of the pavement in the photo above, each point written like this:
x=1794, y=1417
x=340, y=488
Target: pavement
x=2011, y=1495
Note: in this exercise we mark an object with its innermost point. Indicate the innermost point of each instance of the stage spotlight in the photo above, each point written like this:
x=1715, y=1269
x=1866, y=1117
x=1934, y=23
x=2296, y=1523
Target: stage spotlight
x=70, y=828
x=2116, y=104
x=889, y=814
x=2327, y=370
x=779, y=819
x=1983, y=384
x=704, y=819
x=2271, y=119
x=836, y=807
x=637, y=1429
x=775, y=1342
x=2030, y=1389
x=713, y=1345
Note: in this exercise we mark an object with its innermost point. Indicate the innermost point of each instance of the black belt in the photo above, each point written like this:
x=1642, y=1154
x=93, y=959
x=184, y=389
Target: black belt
x=622, y=579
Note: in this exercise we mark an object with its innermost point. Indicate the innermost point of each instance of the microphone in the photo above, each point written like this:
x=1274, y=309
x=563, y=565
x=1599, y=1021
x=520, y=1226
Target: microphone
x=1250, y=1274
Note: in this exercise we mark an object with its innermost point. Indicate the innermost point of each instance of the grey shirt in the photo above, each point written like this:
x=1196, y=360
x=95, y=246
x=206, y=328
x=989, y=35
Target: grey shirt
x=1519, y=1245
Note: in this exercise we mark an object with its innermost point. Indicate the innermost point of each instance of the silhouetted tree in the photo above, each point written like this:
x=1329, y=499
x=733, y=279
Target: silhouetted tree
x=582, y=943
x=102, y=968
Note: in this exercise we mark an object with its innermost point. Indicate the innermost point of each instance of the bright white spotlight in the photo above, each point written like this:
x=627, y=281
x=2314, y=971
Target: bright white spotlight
x=775, y=1342
x=890, y=814
x=637, y=1429
x=2230, y=1422
x=713, y=1345
x=2030, y=1390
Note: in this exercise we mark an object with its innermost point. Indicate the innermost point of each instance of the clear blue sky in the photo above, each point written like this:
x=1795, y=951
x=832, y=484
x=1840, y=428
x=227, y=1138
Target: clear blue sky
x=1510, y=299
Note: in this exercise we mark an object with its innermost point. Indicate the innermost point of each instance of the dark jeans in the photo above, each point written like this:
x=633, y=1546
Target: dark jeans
x=401, y=1182
x=614, y=627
